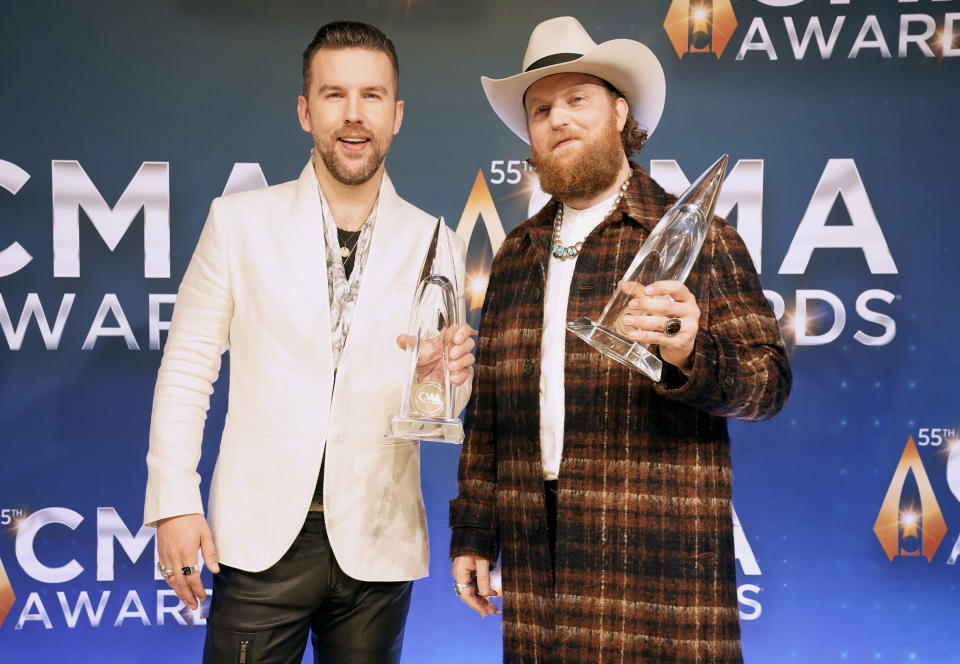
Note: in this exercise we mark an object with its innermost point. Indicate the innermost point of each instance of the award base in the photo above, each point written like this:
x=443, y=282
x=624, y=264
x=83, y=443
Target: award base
x=611, y=344
x=436, y=430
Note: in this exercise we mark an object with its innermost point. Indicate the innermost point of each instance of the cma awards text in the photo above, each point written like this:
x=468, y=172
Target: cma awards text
x=32, y=545
x=809, y=316
x=92, y=607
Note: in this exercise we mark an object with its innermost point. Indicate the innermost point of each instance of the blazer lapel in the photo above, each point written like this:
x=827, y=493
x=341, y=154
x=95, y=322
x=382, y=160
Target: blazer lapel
x=395, y=257
x=309, y=250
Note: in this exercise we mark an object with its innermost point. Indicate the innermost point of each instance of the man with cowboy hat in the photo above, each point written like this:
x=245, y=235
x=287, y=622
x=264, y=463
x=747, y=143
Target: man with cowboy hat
x=607, y=496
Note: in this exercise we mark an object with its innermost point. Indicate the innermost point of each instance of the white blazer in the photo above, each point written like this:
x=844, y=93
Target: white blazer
x=258, y=280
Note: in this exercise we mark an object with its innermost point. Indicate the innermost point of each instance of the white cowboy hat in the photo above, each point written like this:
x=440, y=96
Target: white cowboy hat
x=561, y=45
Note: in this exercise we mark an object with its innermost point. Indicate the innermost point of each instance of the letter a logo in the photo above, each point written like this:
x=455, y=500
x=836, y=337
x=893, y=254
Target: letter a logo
x=480, y=204
x=6, y=594
x=901, y=520
x=700, y=26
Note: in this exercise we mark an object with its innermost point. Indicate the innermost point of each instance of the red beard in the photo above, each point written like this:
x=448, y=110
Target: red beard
x=583, y=172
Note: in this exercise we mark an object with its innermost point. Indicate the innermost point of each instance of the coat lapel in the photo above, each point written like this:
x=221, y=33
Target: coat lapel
x=395, y=257
x=309, y=251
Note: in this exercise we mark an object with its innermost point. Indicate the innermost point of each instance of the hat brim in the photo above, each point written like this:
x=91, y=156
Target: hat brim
x=627, y=65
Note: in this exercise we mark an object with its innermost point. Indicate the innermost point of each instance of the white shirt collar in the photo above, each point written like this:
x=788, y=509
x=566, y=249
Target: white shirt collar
x=577, y=224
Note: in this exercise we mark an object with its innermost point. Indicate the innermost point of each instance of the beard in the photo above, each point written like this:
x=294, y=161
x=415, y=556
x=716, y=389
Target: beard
x=585, y=172
x=352, y=172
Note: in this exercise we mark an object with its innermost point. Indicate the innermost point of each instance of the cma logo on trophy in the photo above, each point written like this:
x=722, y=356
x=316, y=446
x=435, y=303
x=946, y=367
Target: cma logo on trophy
x=6, y=594
x=910, y=522
x=700, y=26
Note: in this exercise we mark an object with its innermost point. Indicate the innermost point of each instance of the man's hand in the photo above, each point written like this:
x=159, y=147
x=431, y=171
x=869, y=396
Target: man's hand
x=473, y=575
x=660, y=301
x=178, y=539
x=459, y=344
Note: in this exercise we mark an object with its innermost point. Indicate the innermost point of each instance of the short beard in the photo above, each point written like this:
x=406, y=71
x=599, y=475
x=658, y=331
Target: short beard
x=591, y=171
x=339, y=170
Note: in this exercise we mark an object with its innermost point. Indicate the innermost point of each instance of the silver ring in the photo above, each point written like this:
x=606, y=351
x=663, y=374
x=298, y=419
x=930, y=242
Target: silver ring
x=459, y=587
x=165, y=571
x=672, y=327
x=190, y=569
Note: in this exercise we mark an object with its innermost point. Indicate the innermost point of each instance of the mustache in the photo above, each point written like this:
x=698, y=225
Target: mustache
x=563, y=135
x=556, y=137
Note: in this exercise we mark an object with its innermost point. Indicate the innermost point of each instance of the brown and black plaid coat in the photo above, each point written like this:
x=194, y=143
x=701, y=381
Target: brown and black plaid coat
x=644, y=558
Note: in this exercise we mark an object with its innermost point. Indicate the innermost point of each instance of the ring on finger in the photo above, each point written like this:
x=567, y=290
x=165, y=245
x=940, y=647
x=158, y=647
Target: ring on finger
x=165, y=571
x=187, y=570
x=459, y=588
x=672, y=326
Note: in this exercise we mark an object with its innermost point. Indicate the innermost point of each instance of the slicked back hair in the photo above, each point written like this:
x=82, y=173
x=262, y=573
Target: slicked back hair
x=350, y=34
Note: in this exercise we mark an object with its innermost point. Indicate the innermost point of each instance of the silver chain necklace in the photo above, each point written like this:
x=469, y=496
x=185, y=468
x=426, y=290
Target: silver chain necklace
x=571, y=251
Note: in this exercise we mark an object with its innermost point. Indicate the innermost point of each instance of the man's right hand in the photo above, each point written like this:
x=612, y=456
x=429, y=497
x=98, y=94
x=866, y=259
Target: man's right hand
x=473, y=575
x=178, y=538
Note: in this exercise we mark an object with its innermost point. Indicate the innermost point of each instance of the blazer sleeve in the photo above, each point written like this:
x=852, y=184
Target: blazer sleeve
x=197, y=338
x=740, y=367
x=473, y=520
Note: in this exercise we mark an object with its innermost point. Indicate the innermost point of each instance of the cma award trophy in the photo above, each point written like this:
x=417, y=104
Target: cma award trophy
x=426, y=407
x=667, y=254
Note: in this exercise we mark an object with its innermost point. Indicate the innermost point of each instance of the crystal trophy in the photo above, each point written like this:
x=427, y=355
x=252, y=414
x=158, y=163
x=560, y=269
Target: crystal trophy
x=426, y=407
x=667, y=254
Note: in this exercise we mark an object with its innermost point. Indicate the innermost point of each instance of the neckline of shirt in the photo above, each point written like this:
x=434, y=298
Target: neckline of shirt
x=577, y=224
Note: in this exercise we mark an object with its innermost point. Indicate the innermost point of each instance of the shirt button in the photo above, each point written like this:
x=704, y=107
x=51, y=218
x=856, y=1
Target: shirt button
x=536, y=294
x=527, y=368
x=533, y=445
x=536, y=523
x=729, y=381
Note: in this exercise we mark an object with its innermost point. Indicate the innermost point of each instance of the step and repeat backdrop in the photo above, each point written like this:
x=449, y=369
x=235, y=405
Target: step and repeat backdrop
x=120, y=121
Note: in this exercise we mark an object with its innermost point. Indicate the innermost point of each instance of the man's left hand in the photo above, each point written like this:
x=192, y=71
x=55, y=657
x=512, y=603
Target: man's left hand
x=661, y=301
x=459, y=343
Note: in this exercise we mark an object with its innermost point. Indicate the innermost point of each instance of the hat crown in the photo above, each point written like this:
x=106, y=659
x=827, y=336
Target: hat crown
x=562, y=46
x=561, y=35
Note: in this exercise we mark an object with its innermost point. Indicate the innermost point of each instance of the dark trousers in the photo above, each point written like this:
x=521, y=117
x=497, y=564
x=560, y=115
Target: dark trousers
x=264, y=617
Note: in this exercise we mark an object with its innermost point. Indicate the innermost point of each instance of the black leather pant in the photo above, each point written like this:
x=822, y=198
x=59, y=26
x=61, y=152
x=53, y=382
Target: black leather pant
x=264, y=617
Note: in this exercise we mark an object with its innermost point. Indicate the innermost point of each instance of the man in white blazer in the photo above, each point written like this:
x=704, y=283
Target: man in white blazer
x=316, y=519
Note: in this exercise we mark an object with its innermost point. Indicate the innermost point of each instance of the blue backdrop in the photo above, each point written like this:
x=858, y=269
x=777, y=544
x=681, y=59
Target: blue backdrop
x=120, y=121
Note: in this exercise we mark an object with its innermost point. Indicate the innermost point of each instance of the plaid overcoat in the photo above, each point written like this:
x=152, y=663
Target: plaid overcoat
x=644, y=557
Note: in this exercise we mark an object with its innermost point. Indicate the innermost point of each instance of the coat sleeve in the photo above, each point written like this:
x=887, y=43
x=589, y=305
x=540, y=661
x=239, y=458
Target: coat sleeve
x=740, y=366
x=197, y=337
x=473, y=519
